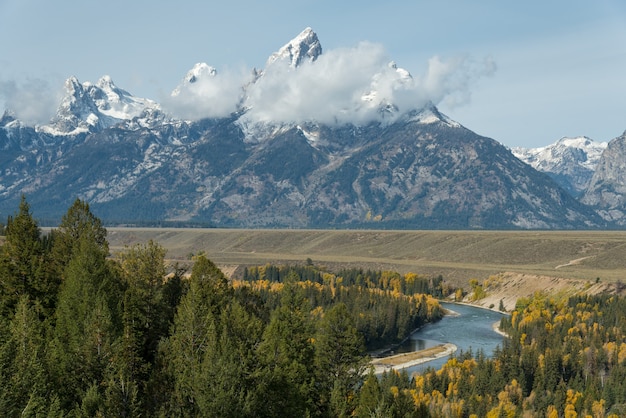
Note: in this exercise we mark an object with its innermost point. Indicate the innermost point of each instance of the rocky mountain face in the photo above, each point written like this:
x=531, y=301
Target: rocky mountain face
x=305, y=46
x=135, y=163
x=607, y=188
x=571, y=162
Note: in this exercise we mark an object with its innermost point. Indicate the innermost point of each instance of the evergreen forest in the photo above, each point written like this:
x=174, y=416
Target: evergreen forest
x=88, y=333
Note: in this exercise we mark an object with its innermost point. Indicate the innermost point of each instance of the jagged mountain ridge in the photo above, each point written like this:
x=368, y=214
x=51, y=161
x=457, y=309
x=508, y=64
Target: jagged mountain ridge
x=305, y=46
x=88, y=108
x=134, y=163
x=571, y=162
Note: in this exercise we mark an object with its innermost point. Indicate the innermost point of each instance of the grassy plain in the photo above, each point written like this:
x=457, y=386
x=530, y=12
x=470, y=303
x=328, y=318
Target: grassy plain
x=456, y=255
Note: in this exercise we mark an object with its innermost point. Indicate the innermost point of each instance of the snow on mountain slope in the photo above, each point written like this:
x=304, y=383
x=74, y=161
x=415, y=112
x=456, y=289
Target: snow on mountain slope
x=200, y=71
x=607, y=188
x=304, y=46
x=570, y=161
x=88, y=107
x=580, y=150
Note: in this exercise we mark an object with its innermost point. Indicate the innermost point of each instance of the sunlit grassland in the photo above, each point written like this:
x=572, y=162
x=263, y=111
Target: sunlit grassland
x=457, y=255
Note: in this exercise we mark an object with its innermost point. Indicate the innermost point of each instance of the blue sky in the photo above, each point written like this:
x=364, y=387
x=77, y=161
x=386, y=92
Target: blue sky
x=560, y=66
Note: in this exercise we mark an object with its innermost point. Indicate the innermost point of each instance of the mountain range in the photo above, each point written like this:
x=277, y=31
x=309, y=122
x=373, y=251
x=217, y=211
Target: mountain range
x=393, y=166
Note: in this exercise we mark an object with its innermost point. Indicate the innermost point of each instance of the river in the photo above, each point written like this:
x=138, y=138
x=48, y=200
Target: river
x=471, y=329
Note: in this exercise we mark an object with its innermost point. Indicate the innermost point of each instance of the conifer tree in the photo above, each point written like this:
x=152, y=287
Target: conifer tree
x=226, y=385
x=370, y=397
x=195, y=332
x=21, y=259
x=22, y=362
x=341, y=361
x=147, y=308
x=87, y=322
x=77, y=222
x=287, y=356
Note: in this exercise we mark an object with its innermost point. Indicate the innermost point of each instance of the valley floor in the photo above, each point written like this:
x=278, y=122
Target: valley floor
x=530, y=260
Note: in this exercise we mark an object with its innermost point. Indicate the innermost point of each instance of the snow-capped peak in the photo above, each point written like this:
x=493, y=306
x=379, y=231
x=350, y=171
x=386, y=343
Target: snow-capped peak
x=571, y=161
x=579, y=150
x=117, y=103
x=581, y=142
x=429, y=114
x=87, y=107
x=402, y=73
x=106, y=83
x=200, y=71
x=304, y=46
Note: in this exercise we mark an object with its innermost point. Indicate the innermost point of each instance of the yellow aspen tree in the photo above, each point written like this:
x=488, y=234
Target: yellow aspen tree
x=598, y=408
x=570, y=411
x=551, y=412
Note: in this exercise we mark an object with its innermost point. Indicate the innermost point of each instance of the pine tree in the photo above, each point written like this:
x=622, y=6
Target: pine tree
x=145, y=320
x=25, y=384
x=147, y=305
x=195, y=332
x=78, y=222
x=21, y=261
x=287, y=357
x=340, y=359
x=370, y=397
x=210, y=360
x=87, y=322
x=226, y=385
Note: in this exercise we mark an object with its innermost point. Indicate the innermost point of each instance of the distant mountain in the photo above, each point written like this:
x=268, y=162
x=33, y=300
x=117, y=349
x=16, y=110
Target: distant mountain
x=406, y=168
x=607, y=189
x=571, y=162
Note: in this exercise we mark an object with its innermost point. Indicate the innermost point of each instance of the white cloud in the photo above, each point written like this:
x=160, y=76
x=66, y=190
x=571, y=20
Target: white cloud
x=344, y=85
x=450, y=81
x=32, y=102
x=327, y=90
x=210, y=95
x=351, y=85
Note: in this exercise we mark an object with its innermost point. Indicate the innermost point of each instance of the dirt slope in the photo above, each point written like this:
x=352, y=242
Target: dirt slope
x=509, y=287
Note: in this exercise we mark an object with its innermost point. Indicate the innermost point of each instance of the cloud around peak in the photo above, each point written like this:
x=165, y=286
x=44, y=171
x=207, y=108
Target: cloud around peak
x=33, y=101
x=352, y=85
x=207, y=93
x=343, y=85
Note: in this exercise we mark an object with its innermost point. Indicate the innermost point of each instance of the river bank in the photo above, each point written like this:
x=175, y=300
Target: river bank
x=404, y=360
x=413, y=358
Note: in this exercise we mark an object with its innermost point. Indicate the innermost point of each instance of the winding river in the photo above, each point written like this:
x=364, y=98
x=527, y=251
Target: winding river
x=471, y=329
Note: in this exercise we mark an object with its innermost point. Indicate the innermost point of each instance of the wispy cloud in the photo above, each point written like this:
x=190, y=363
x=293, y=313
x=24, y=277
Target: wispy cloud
x=33, y=101
x=209, y=95
x=450, y=81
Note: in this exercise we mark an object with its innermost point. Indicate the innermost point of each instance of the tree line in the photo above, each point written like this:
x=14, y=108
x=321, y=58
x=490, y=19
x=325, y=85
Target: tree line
x=385, y=308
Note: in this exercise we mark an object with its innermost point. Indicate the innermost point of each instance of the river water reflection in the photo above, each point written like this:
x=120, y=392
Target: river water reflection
x=471, y=329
